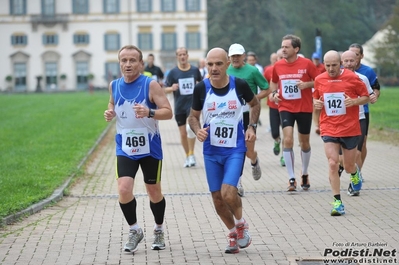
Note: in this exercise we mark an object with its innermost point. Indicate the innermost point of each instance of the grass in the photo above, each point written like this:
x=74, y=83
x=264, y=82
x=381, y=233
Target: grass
x=43, y=138
x=384, y=117
x=385, y=113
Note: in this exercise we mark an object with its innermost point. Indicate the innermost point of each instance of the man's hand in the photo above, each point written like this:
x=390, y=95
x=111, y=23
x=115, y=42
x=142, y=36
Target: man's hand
x=202, y=134
x=250, y=134
x=318, y=103
x=109, y=115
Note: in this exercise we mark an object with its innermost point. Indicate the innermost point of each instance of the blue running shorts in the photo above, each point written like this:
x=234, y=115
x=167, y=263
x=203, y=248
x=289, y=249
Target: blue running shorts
x=223, y=169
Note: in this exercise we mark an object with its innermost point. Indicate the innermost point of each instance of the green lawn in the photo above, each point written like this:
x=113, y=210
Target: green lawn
x=43, y=137
x=385, y=113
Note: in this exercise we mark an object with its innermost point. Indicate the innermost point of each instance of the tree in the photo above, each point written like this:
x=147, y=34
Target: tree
x=386, y=51
x=260, y=25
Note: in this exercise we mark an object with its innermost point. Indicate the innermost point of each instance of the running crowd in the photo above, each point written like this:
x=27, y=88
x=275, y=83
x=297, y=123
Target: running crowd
x=218, y=104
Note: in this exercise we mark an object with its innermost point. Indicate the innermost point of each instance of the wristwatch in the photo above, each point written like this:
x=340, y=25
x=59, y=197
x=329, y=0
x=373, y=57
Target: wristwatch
x=253, y=125
x=151, y=113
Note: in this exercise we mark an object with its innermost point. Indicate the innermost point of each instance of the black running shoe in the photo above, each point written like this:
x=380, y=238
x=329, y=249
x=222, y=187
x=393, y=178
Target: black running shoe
x=305, y=184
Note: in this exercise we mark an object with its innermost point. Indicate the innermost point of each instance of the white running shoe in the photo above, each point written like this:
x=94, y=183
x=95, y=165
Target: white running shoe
x=186, y=163
x=240, y=189
x=191, y=161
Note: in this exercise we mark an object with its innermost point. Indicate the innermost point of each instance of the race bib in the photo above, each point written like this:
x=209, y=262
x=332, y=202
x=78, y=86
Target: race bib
x=290, y=90
x=135, y=141
x=223, y=132
x=186, y=86
x=334, y=104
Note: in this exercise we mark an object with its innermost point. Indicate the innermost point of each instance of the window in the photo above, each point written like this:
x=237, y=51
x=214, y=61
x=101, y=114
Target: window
x=168, y=5
x=19, y=40
x=144, y=5
x=112, y=42
x=51, y=75
x=169, y=41
x=145, y=41
x=82, y=71
x=193, y=40
x=48, y=7
x=20, y=76
x=80, y=6
x=192, y=5
x=50, y=39
x=17, y=7
x=112, y=71
x=111, y=6
x=81, y=38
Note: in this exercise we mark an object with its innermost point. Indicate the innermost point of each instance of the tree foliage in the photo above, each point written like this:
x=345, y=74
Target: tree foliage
x=386, y=50
x=259, y=25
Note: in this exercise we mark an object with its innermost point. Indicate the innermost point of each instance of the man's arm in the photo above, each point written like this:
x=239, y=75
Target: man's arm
x=263, y=94
x=195, y=125
x=194, y=120
x=376, y=88
x=273, y=96
x=157, y=96
x=254, y=111
x=109, y=113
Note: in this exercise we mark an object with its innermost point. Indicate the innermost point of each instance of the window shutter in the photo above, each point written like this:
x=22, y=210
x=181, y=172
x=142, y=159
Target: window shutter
x=105, y=42
x=119, y=41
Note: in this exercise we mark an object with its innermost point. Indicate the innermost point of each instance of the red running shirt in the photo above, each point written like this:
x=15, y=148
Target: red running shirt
x=286, y=75
x=336, y=120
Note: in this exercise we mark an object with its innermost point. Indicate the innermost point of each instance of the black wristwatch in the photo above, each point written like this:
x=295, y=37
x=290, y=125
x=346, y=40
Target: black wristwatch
x=151, y=113
x=253, y=125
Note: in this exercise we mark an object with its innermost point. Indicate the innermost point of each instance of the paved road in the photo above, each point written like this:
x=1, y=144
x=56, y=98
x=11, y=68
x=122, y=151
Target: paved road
x=87, y=226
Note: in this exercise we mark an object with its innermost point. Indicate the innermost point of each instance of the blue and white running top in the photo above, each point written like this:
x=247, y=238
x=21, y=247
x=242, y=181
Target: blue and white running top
x=224, y=116
x=135, y=137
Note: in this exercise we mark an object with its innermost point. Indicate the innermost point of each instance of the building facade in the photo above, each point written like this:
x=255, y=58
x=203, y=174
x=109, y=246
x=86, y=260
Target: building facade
x=73, y=44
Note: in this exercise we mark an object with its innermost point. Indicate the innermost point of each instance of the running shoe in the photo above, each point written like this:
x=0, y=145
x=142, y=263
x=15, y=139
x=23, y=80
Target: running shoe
x=187, y=162
x=191, y=160
x=135, y=237
x=291, y=185
x=360, y=173
x=243, y=237
x=356, y=181
x=256, y=171
x=351, y=192
x=159, y=241
x=276, y=148
x=305, y=184
x=232, y=247
x=338, y=208
x=282, y=161
x=240, y=188
x=340, y=170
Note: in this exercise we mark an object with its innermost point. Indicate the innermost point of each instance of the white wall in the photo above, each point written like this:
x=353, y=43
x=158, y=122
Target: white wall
x=96, y=24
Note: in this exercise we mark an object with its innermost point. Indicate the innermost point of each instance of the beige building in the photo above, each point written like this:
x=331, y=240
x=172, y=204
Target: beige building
x=69, y=44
